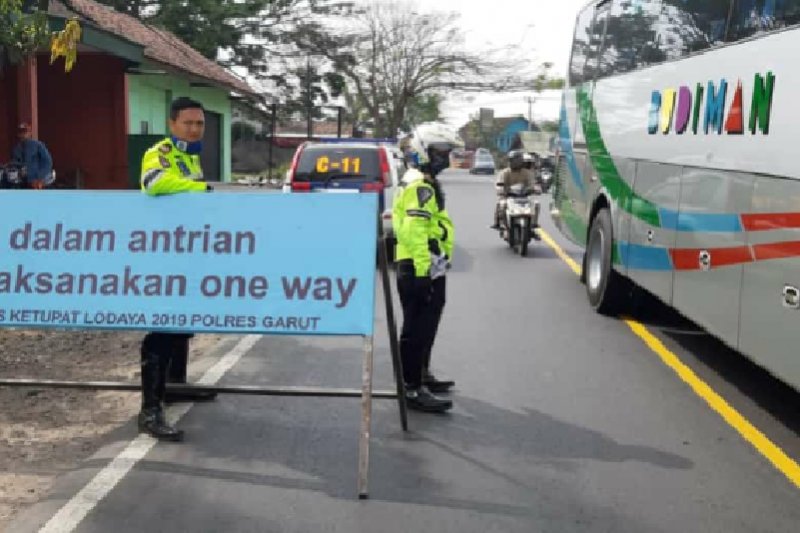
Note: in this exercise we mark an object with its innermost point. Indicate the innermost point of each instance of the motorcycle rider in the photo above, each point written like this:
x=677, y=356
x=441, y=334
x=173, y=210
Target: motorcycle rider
x=33, y=158
x=529, y=161
x=424, y=252
x=515, y=174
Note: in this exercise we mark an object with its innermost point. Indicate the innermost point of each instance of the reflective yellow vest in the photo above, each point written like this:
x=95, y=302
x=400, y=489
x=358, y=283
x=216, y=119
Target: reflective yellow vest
x=421, y=227
x=167, y=170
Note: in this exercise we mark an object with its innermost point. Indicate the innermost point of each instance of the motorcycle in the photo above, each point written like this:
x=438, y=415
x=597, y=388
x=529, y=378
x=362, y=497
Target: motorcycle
x=546, y=178
x=546, y=172
x=519, y=218
x=11, y=177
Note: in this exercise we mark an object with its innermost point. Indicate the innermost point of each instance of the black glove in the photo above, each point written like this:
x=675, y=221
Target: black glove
x=209, y=188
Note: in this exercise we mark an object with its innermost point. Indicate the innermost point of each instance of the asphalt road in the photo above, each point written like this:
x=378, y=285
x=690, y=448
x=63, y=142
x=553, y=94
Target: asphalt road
x=563, y=421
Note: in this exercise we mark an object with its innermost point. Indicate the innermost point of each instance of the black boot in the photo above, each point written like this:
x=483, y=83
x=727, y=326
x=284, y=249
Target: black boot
x=421, y=399
x=154, y=377
x=152, y=422
x=436, y=385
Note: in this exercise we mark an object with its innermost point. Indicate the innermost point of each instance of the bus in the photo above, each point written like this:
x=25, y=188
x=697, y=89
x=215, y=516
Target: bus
x=676, y=167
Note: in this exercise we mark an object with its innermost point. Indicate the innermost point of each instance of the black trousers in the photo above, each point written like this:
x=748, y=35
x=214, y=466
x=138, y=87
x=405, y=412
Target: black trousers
x=438, y=296
x=164, y=358
x=422, y=311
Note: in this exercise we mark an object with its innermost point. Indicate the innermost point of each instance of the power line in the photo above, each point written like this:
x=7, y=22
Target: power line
x=481, y=101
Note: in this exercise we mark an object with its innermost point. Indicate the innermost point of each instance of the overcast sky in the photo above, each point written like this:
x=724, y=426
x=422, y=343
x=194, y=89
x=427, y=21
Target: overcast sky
x=540, y=28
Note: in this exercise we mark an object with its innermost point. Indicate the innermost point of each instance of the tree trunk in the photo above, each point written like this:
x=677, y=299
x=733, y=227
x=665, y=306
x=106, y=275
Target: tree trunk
x=376, y=119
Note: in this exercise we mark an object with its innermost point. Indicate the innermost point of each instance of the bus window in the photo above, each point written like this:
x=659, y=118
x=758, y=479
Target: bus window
x=700, y=25
x=631, y=40
x=580, y=46
x=751, y=17
x=596, y=34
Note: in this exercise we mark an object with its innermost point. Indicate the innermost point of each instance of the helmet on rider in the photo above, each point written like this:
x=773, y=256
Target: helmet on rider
x=529, y=161
x=516, y=159
x=429, y=147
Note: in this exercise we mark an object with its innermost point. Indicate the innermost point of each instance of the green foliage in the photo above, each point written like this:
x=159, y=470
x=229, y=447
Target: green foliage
x=476, y=137
x=22, y=31
x=261, y=36
x=423, y=108
x=312, y=88
x=550, y=126
x=545, y=81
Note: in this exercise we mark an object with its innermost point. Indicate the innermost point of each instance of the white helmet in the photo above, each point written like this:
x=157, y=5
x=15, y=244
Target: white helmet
x=432, y=135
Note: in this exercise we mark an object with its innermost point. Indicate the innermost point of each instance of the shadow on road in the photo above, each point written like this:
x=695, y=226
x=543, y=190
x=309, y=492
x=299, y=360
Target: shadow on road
x=536, y=436
x=481, y=445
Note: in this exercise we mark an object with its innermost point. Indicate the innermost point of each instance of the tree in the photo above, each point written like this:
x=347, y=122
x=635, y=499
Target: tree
x=259, y=36
x=476, y=136
x=307, y=89
x=545, y=81
x=130, y=7
x=549, y=126
x=22, y=31
x=423, y=108
x=393, y=54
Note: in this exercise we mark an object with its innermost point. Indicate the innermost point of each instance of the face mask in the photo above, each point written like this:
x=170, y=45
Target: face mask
x=439, y=162
x=193, y=148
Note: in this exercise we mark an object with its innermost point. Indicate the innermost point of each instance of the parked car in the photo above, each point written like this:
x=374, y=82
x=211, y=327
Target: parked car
x=461, y=158
x=349, y=166
x=483, y=162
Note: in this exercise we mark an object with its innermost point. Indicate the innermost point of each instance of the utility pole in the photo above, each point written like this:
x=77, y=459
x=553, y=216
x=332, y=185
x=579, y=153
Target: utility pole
x=530, y=101
x=309, y=130
x=339, y=121
x=274, y=107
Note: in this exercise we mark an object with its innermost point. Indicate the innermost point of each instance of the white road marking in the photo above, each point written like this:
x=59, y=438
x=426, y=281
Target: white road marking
x=74, y=511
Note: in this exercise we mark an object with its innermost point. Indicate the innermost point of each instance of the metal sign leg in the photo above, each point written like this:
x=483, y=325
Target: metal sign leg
x=394, y=347
x=366, y=420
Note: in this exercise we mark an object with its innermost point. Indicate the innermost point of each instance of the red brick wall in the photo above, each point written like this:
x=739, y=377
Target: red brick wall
x=83, y=119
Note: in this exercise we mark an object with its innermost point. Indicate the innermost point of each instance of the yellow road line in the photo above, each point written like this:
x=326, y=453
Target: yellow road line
x=785, y=464
x=561, y=253
x=751, y=434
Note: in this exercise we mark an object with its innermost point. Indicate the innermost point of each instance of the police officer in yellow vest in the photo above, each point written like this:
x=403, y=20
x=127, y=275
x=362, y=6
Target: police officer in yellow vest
x=171, y=166
x=425, y=239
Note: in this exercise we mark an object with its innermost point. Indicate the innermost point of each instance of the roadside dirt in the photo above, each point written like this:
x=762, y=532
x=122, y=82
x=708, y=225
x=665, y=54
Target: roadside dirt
x=46, y=432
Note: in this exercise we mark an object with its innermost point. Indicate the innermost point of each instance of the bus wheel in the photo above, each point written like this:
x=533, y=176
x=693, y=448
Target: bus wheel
x=606, y=289
x=583, y=269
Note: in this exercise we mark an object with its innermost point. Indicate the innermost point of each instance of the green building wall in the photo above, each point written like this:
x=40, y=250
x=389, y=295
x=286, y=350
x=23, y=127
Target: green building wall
x=149, y=97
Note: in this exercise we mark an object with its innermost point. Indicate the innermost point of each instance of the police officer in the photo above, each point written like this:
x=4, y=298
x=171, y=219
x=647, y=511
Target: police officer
x=171, y=166
x=424, y=252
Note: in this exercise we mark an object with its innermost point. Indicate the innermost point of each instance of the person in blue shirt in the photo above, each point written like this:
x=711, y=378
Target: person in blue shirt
x=32, y=157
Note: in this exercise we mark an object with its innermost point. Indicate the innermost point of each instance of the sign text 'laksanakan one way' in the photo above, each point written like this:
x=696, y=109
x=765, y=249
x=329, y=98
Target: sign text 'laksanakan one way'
x=232, y=263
